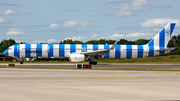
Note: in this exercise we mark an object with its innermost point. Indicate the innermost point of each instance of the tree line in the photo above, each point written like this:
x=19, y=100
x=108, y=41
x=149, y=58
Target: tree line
x=6, y=43
x=174, y=42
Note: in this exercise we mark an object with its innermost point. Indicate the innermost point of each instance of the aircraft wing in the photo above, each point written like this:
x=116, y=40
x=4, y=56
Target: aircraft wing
x=99, y=53
x=165, y=49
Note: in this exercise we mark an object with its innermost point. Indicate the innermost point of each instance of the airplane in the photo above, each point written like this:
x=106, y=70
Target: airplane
x=82, y=52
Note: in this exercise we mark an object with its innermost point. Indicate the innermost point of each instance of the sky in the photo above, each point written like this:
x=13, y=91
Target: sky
x=52, y=21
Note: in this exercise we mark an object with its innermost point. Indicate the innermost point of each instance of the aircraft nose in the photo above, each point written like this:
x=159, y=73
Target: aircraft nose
x=5, y=52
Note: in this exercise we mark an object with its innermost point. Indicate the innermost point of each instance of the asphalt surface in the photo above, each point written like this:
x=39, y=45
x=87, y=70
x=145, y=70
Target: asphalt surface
x=17, y=84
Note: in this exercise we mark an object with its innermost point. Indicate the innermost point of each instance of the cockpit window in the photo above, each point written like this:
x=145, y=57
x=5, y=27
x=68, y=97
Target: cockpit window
x=9, y=48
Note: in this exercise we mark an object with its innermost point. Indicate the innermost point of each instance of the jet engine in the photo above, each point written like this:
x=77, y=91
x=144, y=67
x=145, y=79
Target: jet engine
x=76, y=57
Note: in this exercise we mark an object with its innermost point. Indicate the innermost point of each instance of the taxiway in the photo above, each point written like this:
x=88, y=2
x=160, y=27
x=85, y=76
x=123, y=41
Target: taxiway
x=19, y=84
x=104, y=65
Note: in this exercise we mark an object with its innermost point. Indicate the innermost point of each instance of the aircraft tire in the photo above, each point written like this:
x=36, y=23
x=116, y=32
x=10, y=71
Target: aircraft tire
x=21, y=62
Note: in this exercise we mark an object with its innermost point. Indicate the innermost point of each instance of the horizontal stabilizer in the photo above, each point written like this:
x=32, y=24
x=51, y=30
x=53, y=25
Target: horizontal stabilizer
x=165, y=49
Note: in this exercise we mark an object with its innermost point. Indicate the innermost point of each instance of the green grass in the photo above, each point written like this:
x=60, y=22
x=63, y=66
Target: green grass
x=141, y=69
x=155, y=59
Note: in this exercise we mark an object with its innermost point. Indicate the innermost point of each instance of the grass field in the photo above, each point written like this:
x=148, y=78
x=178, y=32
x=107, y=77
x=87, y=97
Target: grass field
x=155, y=59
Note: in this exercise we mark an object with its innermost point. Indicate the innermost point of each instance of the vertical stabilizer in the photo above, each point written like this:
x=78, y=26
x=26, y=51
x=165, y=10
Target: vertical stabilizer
x=162, y=38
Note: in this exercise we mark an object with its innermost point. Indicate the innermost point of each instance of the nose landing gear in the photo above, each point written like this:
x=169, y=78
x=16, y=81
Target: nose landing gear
x=20, y=60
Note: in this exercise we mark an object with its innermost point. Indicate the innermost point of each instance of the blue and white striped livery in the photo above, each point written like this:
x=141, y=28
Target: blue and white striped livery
x=82, y=52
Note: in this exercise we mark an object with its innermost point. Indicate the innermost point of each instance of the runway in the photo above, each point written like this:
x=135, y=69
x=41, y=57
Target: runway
x=22, y=84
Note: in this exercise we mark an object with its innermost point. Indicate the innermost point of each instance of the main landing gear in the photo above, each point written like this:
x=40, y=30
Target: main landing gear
x=21, y=62
x=92, y=62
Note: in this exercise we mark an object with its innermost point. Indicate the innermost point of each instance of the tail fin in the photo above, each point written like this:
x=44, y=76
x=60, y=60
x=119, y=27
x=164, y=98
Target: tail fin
x=162, y=38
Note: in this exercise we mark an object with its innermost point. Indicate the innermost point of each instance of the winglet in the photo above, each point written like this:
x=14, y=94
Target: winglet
x=113, y=46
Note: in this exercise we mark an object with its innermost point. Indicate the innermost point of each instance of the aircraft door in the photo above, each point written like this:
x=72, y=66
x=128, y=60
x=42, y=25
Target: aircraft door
x=146, y=52
x=18, y=48
x=33, y=50
x=48, y=49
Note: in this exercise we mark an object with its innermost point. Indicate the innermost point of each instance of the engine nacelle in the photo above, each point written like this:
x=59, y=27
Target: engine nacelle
x=76, y=57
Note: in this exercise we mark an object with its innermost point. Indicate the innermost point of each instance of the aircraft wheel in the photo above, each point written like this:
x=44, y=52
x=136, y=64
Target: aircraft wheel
x=21, y=62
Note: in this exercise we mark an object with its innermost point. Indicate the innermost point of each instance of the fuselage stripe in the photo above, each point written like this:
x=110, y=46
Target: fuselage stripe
x=128, y=51
x=117, y=51
x=61, y=50
x=140, y=51
x=28, y=50
x=84, y=47
x=95, y=47
x=72, y=48
x=106, y=55
x=50, y=50
x=39, y=50
x=16, y=53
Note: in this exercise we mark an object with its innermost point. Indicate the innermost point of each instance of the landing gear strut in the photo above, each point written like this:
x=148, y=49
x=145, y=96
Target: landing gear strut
x=20, y=60
x=92, y=62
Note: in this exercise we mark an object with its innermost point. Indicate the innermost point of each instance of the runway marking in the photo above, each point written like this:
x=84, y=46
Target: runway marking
x=107, y=77
x=166, y=73
x=32, y=78
x=31, y=73
x=70, y=77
